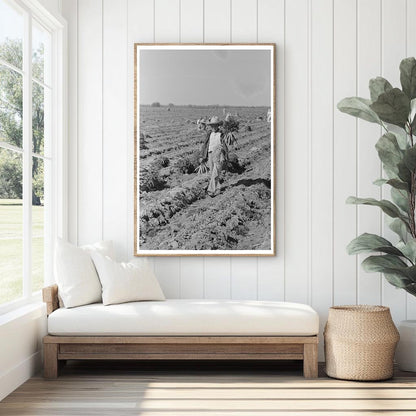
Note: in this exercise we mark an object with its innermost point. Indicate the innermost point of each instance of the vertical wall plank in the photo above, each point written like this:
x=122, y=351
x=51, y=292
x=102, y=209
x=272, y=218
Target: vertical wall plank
x=345, y=151
x=244, y=278
x=244, y=21
x=192, y=278
x=369, y=168
x=411, y=51
x=114, y=124
x=217, y=21
x=321, y=166
x=244, y=29
x=140, y=21
x=217, y=278
x=192, y=21
x=167, y=29
x=70, y=11
x=90, y=184
x=192, y=30
x=296, y=152
x=411, y=28
x=393, y=51
x=217, y=29
x=167, y=273
x=167, y=14
x=271, y=29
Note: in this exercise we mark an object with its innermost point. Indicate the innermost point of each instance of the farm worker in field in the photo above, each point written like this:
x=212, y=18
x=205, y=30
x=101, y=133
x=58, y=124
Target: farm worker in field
x=269, y=115
x=202, y=123
x=215, y=151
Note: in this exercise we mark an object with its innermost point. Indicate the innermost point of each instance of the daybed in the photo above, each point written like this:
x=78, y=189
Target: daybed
x=181, y=329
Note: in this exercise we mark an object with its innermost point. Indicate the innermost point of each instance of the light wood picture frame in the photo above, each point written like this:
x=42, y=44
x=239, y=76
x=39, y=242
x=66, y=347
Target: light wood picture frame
x=204, y=149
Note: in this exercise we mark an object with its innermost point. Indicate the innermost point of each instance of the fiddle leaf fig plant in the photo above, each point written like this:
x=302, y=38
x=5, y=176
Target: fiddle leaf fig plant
x=394, y=109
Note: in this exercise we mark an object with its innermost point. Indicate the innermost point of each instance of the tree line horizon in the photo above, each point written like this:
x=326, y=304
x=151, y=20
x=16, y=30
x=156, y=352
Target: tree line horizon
x=158, y=104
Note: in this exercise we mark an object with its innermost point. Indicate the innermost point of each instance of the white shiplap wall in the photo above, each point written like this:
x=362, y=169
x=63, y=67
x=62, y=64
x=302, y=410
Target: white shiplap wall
x=326, y=50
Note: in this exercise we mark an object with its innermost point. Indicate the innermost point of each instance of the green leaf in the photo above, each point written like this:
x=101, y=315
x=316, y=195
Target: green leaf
x=390, y=173
x=412, y=115
x=366, y=243
x=397, y=280
x=411, y=289
x=359, y=107
x=400, y=228
x=408, y=77
x=410, y=272
x=395, y=183
x=401, y=137
x=392, y=107
x=400, y=198
x=389, y=151
x=378, y=86
x=404, y=173
x=388, y=207
x=395, y=270
x=398, y=184
x=408, y=249
x=413, y=124
x=380, y=182
x=410, y=158
x=381, y=263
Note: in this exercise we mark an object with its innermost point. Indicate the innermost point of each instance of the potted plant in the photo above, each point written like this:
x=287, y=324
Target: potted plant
x=394, y=109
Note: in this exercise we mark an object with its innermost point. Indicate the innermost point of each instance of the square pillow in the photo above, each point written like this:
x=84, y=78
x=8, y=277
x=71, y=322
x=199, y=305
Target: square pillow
x=126, y=282
x=75, y=273
x=103, y=247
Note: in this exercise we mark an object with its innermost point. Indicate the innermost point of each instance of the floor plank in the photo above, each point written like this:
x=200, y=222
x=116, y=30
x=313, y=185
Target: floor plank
x=226, y=389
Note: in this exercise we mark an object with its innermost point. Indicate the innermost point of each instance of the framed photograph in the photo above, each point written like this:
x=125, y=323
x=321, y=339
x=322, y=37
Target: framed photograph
x=204, y=128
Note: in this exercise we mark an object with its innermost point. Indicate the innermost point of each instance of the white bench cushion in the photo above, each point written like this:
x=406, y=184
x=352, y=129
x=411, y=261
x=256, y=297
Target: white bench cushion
x=187, y=318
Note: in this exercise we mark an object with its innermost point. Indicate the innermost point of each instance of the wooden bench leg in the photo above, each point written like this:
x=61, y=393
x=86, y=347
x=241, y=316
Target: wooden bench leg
x=310, y=360
x=50, y=360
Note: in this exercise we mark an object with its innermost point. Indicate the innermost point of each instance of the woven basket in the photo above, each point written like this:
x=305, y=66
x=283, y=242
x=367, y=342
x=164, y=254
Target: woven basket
x=360, y=342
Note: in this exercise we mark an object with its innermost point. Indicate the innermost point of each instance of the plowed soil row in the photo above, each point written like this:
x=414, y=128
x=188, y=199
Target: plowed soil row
x=181, y=215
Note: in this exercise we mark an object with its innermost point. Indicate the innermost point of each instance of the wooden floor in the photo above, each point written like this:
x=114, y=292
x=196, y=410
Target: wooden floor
x=191, y=389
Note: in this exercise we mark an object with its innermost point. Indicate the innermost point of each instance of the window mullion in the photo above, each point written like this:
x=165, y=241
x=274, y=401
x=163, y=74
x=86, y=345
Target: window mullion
x=10, y=66
x=27, y=157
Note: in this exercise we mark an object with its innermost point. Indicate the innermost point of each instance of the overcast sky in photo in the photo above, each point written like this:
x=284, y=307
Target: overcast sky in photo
x=201, y=77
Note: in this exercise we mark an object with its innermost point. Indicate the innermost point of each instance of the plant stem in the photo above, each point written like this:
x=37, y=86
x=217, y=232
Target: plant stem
x=412, y=196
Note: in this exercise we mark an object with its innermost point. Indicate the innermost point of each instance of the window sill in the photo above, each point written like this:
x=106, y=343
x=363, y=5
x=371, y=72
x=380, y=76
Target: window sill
x=34, y=306
x=19, y=303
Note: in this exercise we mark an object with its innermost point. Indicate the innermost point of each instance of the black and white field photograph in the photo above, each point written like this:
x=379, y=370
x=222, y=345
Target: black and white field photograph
x=205, y=155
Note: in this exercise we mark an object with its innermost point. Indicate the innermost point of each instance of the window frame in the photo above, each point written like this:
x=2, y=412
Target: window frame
x=58, y=215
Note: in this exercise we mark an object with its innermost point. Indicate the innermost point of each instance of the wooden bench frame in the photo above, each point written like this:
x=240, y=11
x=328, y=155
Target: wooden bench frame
x=58, y=349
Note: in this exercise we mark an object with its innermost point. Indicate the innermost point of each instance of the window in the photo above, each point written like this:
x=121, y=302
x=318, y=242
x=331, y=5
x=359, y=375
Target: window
x=31, y=137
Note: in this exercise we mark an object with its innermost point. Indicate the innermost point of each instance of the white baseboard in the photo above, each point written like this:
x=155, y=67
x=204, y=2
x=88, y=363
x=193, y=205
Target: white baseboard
x=11, y=379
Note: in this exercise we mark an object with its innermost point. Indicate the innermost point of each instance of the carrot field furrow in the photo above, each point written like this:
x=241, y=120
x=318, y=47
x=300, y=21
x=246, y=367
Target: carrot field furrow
x=175, y=211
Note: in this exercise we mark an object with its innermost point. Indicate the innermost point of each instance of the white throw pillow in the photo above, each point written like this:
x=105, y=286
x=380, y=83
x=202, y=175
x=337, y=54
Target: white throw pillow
x=75, y=273
x=104, y=247
x=126, y=282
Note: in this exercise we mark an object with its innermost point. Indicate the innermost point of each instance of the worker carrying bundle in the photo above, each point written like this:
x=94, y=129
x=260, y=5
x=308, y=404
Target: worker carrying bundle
x=202, y=123
x=215, y=151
